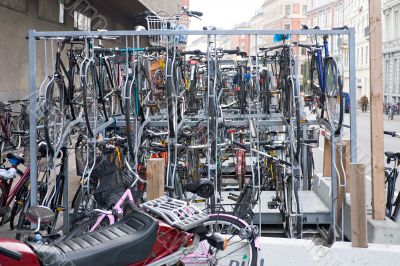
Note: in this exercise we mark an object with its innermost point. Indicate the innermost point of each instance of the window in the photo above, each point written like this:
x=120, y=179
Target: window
x=387, y=20
x=61, y=12
x=362, y=55
x=396, y=22
x=304, y=10
x=286, y=26
x=51, y=10
x=288, y=10
x=329, y=17
x=322, y=19
x=82, y=22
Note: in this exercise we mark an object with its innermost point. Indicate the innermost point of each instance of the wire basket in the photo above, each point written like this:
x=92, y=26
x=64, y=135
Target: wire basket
x=157, y=23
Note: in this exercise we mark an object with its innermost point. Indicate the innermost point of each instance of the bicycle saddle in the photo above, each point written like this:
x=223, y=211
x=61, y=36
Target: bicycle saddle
x=125, y=242
x=392, y=155
x=16, y=158
x=202, y=187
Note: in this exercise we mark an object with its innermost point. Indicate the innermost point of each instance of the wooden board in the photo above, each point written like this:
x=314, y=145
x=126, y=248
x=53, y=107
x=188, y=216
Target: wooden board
x=358, y=209
x=376, y=99
x=155, y=173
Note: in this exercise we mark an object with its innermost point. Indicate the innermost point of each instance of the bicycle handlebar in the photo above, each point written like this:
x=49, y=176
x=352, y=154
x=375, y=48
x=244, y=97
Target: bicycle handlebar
x=195, y=52
x=392, y=133
x=194, y=13
x=130, y=50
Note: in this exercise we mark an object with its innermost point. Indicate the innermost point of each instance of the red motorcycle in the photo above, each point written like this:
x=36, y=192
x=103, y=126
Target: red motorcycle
x=180, y=235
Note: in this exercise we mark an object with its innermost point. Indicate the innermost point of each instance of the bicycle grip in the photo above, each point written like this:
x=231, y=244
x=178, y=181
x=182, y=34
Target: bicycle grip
x=196, y=13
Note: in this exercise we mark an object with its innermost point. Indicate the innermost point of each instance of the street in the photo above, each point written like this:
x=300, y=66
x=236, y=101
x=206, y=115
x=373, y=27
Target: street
x=364, y=144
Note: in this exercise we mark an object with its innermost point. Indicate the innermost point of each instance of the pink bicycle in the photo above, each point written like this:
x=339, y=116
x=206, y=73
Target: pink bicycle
x=186, y=234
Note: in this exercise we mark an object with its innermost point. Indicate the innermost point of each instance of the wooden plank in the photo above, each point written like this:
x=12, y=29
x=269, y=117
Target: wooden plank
x=376, y=99
x=155, y=173
x=326, y=170
x=358, y=211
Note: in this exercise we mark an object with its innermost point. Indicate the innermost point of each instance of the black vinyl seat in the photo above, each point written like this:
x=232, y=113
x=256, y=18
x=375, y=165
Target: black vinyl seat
x=392, y=155
x=127, y=241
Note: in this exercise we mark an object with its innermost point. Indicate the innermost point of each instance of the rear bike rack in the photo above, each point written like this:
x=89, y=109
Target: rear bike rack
x=176, y=213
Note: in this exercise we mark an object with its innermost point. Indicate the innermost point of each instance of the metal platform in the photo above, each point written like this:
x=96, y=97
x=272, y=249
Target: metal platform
x=314, y=209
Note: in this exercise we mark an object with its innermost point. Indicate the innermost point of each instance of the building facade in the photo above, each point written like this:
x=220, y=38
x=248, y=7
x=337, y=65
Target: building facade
x=356, y=16
x=19, y=16
x=391, y=51
x=327, y=14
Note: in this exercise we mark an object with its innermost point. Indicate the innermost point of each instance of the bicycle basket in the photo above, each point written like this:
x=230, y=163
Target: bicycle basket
x=157, y=23
x=112, y=183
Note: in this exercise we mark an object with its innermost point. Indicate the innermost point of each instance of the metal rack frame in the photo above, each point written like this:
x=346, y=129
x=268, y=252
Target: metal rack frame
x=33, y=90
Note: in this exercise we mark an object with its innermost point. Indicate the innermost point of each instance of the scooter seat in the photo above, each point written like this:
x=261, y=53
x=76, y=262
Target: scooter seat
x=127, y=241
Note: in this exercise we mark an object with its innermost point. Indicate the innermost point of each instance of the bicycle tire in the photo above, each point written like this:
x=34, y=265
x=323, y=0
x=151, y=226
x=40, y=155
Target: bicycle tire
x=171, y=98
x=23, y=224
x=127, y=114
x=54, y=116
x=295, y=113
x=84, y=227
x=21, y=196
x=3, y=194
x=333, y=95
x=93, y=105
x=234, y=225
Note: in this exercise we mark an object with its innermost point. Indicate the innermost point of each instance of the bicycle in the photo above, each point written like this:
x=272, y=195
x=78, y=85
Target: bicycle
x=10, y=135
x=326, y=81
x=62, y=102
x=391, y=174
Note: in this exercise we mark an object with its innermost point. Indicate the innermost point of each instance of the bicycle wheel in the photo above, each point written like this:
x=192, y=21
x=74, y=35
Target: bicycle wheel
x=128, y=112
x=21, y=196
x=93, y=102
x=333, y=95
x=288, y=208
x=294, y=108
x=3, y=194
x=83, y=204
x=76, y=92
x=241, y=248
x=171, y=98
x=84, y=227
x=55, y=113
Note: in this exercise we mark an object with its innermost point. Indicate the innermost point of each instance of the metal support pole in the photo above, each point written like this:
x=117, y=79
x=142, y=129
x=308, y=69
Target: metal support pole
x=353, y=96
x=333, y=184
x=304, y=161
x=32, y=117
x=65, y=194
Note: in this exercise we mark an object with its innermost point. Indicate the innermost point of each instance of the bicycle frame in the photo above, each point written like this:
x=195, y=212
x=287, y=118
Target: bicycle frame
x=320, y=59
x=109, y=214
x=17, y=187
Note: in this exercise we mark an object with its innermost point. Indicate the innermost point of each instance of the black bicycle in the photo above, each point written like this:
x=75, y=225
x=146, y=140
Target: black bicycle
x=391, y=174
x=63, y=100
